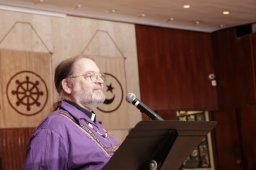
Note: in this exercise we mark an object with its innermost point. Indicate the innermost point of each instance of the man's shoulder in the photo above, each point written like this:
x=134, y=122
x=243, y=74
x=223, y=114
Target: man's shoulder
x=54, y=127
x=57, y=122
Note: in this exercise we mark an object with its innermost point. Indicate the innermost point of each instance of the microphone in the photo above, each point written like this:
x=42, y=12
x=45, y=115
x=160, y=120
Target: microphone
x=131, y=98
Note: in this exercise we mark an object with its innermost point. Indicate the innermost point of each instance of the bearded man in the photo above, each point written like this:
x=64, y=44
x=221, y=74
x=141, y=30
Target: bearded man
x=71, y=137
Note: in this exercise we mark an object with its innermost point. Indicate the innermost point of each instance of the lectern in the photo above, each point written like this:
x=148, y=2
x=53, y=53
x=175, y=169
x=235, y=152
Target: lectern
x=159, y=145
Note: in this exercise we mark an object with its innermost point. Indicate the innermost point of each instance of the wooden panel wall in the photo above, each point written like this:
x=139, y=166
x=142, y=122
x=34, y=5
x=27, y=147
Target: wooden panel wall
x=253, y=54
x=173, y=68
x=13, y=147
x=248, y=117
x=229, y=152
x=173, y=65
x=165, y=114
x=234, y=72
x=235, y=138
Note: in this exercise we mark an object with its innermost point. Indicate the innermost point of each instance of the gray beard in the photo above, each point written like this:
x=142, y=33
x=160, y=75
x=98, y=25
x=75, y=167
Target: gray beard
x=89, y=99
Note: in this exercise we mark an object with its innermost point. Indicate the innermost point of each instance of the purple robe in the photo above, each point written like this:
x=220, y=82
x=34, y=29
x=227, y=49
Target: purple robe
x=64, y=141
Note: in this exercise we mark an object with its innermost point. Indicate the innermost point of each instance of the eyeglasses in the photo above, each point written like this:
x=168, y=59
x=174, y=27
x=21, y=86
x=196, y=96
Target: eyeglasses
x=93, y=76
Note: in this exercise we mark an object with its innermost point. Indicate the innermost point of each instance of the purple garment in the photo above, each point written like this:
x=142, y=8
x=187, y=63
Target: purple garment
x=59, y=143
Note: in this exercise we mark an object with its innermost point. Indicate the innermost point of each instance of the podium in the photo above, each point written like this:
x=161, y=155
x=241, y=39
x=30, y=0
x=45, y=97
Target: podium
x=159, y=145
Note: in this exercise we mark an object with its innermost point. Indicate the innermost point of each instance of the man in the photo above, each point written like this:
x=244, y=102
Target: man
x=71, y=137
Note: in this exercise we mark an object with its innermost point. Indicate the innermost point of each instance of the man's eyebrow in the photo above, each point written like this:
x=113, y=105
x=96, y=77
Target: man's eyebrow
x=92, y=72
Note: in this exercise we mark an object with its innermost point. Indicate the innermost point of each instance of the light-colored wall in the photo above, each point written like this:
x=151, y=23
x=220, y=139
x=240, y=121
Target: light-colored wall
x=70, y=36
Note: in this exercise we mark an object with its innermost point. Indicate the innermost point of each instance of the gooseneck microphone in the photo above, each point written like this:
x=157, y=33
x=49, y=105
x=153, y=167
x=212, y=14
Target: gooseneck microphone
x=131, y=98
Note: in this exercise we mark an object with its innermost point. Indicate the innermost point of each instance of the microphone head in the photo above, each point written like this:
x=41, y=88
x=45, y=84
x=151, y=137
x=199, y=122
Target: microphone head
x=130, y=97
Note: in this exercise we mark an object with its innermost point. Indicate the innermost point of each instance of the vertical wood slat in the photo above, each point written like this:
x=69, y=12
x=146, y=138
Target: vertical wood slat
x=240, y=128
x=1, y=149
x=8, y=146
x=253, y=55
x=248, y=118
x=227, y=139
x=4, y=150
x=13, y=147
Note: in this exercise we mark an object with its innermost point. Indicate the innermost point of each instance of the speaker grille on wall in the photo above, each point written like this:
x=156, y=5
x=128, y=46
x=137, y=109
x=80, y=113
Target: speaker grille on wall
x=243, y=30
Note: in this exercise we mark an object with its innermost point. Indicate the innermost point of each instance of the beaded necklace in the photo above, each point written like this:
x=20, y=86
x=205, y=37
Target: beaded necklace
x=104, y=136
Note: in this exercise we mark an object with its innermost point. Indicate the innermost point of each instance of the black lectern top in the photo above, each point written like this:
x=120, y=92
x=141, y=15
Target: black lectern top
x=167, y=142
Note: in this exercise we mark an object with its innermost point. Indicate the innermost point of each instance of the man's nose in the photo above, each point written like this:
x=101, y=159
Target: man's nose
x=99, y=80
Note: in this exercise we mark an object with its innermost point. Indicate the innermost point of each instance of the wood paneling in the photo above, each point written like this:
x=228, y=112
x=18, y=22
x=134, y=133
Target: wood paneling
x=165, y=114
x=235, y=138
x=227, y=140
x=249, y=133
x=173, y=68
x=13, y=144
x=233, y=68
x=168, y=114
x=253, y=56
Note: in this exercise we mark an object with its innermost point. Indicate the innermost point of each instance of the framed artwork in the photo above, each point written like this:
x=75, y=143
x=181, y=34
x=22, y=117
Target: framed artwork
x=182, y=118
x=200, y=158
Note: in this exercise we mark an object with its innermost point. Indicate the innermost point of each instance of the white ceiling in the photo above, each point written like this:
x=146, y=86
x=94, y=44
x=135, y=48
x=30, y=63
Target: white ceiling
x=209, y=13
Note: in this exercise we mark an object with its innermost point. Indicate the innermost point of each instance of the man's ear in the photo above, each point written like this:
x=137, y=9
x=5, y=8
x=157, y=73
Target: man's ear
x=66, y=86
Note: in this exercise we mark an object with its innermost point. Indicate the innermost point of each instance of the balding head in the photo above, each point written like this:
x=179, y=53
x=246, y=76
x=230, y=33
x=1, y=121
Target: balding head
x=65, y=69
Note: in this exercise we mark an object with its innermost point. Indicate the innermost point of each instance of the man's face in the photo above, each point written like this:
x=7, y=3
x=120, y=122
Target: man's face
x=87, y=93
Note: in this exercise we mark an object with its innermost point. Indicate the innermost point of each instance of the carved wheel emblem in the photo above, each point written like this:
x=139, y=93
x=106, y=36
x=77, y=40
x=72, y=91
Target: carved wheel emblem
x=27, y=93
